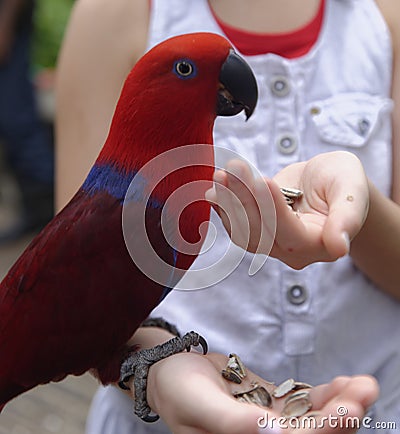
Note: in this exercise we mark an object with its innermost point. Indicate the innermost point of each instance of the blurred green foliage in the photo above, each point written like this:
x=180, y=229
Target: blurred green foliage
x=50, y=20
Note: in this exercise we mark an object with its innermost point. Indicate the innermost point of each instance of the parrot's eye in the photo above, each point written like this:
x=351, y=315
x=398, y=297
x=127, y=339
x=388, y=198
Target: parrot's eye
x=184, y=69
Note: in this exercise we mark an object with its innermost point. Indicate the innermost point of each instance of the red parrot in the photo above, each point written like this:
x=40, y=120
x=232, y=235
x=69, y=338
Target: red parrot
x=74, y=297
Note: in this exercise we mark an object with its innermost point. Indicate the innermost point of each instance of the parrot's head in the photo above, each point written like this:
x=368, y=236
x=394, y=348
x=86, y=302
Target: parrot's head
x=171, y=99
x=173, y=95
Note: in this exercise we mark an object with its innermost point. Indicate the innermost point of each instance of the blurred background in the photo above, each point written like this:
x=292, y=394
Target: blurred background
x=30, y=36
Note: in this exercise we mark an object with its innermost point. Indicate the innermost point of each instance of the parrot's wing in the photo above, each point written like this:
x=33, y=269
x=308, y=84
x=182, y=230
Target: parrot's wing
x=72, y=299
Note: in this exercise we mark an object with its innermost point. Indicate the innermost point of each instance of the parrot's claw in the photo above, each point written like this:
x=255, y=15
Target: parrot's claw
x=195, y=341
x=123, y=386
x=138, y=364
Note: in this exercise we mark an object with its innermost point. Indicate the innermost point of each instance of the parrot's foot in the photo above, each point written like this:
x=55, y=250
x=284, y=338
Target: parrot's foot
x=138, y=364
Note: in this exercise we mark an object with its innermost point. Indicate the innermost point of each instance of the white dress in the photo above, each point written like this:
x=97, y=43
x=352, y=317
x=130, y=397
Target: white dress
x=327, y=319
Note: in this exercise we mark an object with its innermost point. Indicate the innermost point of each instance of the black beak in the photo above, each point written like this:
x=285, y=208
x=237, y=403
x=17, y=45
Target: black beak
x=238, y=87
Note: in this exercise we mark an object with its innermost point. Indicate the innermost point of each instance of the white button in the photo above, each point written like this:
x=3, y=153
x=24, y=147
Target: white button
x=297, y=294
x=280, y=86
x=287, y=144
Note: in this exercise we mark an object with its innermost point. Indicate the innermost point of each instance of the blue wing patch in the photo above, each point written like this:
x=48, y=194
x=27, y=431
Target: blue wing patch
x=117, y=183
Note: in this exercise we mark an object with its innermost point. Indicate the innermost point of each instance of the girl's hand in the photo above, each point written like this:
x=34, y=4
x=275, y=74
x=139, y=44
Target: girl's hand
x=189, y=393
x=317, y=227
